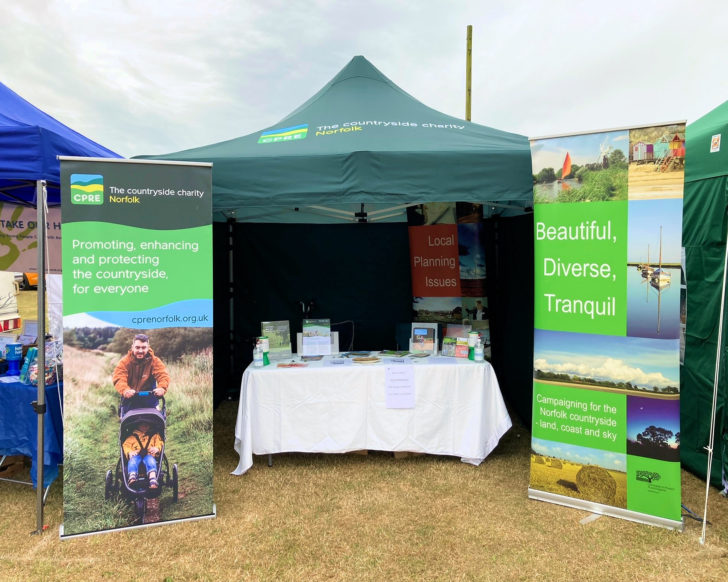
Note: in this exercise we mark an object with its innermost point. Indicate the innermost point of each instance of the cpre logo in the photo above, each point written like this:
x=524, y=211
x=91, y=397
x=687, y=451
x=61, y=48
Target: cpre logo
x=87, y=189
x=292, y=133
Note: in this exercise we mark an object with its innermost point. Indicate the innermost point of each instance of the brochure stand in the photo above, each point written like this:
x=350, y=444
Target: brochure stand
x=424, y=338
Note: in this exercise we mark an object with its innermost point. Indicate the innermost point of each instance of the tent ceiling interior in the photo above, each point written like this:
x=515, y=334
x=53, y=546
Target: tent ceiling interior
x=290, y=194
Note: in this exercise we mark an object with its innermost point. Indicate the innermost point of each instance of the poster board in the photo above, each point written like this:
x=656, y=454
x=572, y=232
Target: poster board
x=606, y=396
x=137, y=288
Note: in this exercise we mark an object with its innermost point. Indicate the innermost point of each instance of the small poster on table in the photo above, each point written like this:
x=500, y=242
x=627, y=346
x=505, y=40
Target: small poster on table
x=316, y=338
x=424, y=337
x=279, y=338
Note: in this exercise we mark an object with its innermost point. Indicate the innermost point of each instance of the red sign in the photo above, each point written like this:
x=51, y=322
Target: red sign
x=435, y=260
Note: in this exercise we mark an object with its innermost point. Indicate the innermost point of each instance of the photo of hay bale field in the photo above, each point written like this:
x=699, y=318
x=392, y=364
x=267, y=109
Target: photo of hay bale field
x=588, y=482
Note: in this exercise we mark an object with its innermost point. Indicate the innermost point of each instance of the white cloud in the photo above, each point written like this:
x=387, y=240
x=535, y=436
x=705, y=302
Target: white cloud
x=141, y=77
x=612, y=369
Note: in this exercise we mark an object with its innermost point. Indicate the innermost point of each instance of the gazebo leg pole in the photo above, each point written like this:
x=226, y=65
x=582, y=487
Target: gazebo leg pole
x=39, y=405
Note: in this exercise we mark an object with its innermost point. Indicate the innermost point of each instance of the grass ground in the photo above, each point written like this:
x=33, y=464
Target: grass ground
x=373, y=517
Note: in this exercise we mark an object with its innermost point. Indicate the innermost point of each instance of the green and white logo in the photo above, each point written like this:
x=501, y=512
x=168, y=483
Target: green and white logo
x=87, y=189
x=293, y=133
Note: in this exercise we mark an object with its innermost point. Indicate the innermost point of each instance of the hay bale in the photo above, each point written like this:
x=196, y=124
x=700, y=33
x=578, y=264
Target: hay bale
x=556, y=464
x=539, y=460
x=596, y=484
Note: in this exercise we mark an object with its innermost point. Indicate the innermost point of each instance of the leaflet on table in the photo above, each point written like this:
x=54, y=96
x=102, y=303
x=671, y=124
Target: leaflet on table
x=400, y=387
x=30, y=332
x=448, y=346
x=424, y=337
x=316, y=337
x=461, y=347
x=337, y=362
x=393, y=353
x=279, y=338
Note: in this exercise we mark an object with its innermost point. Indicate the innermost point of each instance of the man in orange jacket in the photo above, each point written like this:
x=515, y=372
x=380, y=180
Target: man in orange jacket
x=140, y=371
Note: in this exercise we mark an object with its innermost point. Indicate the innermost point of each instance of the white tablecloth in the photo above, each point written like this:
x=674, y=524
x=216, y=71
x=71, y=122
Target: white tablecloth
x=459, y=410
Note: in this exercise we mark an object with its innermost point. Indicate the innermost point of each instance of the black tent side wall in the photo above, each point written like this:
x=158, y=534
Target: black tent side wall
x=509, y=265
x=361, y=272
x=223, y=379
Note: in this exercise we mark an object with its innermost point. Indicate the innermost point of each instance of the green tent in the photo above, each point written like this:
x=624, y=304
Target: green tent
x=313, y=210
x=363, y=140
x=704, y=237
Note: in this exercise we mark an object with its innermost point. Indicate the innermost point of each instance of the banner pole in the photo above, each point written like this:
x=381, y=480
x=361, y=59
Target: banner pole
x=711, y=437
x=39, y=405
x=468, y=71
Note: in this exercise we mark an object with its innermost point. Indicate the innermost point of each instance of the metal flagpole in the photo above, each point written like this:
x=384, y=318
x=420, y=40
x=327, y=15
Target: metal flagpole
x=711, y=438
x=40, y=405
x=468, y=69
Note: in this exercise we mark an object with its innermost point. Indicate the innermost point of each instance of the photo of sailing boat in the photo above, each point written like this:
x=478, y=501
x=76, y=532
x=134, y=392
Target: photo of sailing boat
x=580, y=168
x=653, y=263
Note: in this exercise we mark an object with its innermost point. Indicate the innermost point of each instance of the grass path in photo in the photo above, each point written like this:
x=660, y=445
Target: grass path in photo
x=92, y=440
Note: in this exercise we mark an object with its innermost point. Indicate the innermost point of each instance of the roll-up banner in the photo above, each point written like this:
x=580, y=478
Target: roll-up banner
x=448, y=271
x=606, y=388
x=137, y=329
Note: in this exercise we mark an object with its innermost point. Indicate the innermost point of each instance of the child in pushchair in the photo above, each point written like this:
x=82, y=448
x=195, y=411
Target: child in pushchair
x=142, y=439
x=142, y=446
x=142, y=468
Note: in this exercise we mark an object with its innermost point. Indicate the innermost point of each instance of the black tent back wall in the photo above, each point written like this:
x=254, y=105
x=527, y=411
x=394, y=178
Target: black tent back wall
x=358, y=272
x=361, y=272
x=224, y=379
x=509, y=268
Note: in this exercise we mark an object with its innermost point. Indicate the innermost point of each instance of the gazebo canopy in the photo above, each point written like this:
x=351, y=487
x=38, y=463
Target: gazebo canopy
x=30, y=141
x=363, y=140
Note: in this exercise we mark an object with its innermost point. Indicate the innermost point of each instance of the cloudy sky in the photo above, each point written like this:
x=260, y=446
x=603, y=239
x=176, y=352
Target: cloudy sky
x=641, y=361
x=145, y=77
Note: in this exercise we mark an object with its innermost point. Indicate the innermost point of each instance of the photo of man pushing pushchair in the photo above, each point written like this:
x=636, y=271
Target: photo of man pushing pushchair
x=142, y=381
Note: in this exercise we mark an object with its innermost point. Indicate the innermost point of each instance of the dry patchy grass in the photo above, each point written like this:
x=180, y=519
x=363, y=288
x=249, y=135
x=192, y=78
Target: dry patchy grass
x=353, y=517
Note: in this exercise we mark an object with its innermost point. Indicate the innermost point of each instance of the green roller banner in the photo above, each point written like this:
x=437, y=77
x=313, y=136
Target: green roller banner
x=606, y=389
x=137, y=331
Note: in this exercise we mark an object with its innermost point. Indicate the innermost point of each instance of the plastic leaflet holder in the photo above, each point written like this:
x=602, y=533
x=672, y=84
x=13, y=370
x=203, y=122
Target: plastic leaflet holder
x=53, y=364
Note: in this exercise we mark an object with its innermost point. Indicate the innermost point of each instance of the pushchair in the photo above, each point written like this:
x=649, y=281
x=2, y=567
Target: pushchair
x=117, y=480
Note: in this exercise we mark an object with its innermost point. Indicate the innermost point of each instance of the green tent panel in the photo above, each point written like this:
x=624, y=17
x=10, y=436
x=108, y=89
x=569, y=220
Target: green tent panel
x=705, y=223
x=363, y=140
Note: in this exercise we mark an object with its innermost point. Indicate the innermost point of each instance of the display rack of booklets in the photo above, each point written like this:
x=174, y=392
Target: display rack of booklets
x=424, y=338
x=316, y=337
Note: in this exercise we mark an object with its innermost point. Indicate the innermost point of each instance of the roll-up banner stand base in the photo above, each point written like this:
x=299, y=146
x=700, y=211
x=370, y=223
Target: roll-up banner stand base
x=607, y=510
x=142, y=526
